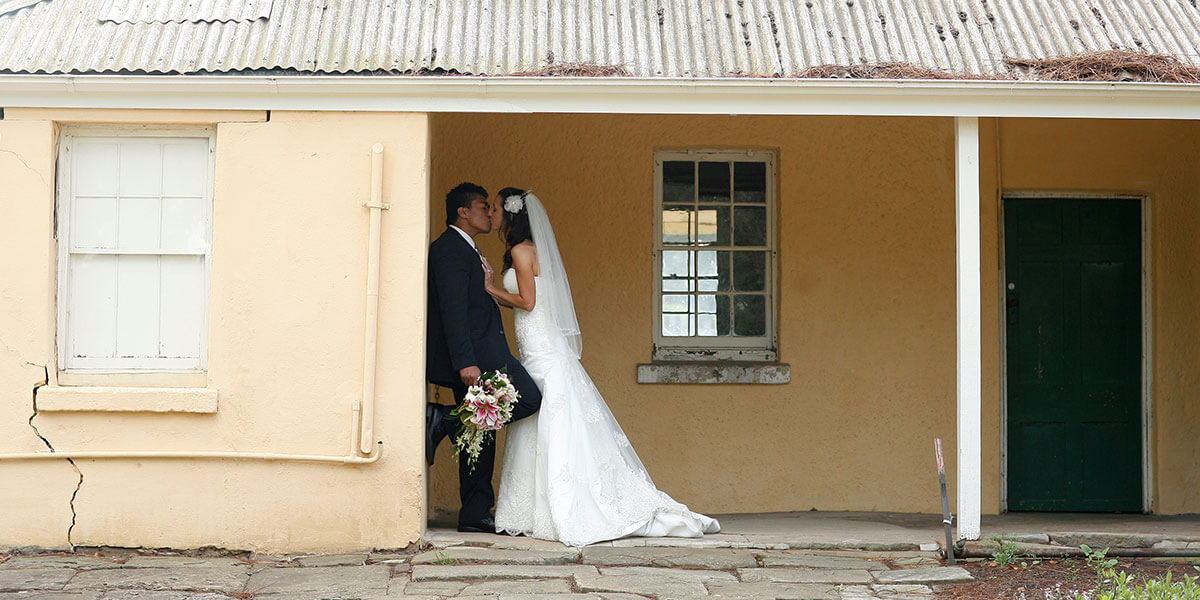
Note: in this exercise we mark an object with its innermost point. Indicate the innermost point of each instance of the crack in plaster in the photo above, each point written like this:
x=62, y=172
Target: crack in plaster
x=26, y=165
x=79, y=484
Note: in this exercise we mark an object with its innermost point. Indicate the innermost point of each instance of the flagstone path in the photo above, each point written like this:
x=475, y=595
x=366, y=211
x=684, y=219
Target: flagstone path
x=503, y=567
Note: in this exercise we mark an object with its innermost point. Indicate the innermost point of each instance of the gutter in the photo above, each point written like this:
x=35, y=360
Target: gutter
x=608, y=95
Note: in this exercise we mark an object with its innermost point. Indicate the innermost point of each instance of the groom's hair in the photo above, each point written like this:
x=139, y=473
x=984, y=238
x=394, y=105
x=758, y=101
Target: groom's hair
x=461, y=196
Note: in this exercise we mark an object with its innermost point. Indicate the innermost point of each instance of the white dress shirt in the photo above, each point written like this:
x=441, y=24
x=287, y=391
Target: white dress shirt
x=465, y=237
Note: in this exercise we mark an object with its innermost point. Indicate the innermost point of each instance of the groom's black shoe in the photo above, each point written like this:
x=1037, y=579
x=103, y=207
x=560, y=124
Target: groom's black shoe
x=486, y=525
x=435, y=427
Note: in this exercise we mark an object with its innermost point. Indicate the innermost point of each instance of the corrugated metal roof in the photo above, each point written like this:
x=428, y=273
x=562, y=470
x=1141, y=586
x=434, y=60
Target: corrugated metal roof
x=650, y=38
x=182, y=11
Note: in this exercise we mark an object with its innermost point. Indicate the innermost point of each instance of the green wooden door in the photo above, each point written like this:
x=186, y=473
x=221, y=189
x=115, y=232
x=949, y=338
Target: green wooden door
x=1074, y=343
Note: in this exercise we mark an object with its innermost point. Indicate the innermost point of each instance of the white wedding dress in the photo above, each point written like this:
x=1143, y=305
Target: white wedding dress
x=569, y=473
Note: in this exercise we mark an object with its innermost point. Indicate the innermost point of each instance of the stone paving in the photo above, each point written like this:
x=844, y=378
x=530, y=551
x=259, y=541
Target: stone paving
x=496, y=566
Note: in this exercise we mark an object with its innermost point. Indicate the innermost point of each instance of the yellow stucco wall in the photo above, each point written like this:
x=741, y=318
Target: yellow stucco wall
x=285, y=347
x=866, y=284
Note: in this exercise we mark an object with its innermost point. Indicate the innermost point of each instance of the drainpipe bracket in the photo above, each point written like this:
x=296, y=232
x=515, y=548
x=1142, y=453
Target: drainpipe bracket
x=379, y=205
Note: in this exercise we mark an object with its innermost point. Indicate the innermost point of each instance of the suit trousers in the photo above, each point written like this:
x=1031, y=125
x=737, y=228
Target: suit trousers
x=475, y=489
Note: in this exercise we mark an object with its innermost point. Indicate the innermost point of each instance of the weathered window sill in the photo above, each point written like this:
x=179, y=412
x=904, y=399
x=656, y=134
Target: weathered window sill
x=134, y=379
x=126, y=399
x=715, y=372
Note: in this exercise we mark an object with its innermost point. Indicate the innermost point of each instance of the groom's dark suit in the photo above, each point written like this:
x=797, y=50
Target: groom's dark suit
x=464, y=329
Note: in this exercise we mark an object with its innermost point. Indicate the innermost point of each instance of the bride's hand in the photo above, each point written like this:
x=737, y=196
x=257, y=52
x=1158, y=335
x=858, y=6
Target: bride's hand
x=489, y=285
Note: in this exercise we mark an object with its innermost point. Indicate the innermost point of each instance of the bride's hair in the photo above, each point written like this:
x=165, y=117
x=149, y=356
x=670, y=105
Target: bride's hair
x=514, y=226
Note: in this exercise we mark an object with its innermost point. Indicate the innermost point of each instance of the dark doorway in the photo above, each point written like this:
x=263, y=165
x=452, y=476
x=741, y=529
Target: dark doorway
x=1074, y=353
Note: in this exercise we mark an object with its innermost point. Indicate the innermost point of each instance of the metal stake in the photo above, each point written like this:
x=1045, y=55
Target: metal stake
x=947, y=518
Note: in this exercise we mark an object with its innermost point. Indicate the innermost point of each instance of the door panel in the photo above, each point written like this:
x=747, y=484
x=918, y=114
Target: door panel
x=1073, y=318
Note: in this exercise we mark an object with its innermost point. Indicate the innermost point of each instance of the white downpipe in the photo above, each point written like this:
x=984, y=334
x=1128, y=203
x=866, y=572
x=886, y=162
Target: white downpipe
x=970, y=324
x=363, y=448
x=376, y=206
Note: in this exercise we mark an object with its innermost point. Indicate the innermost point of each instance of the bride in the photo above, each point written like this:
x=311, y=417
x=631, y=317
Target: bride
x=569, y=473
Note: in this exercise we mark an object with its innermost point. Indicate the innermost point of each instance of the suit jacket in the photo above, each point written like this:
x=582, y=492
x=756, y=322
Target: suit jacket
x=464, y=326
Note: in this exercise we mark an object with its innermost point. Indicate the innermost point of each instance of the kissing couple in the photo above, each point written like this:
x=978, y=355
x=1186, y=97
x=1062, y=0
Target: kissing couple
x=569, y=472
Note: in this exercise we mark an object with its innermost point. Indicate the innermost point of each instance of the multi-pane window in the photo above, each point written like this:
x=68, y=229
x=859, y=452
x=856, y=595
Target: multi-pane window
x=134, y=228
x=716, y=247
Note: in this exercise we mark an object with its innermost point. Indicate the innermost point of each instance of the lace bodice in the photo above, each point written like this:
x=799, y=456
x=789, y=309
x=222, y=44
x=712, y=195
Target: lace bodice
x=535, y=329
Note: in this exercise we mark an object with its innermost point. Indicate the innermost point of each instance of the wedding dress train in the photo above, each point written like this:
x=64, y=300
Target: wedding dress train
x=569, y=473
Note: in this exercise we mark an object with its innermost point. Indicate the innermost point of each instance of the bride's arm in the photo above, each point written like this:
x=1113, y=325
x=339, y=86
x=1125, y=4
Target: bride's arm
x=526, y=298
x=489, y=284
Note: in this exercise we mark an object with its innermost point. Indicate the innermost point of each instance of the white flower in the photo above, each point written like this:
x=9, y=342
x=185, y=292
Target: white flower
x=514, y=204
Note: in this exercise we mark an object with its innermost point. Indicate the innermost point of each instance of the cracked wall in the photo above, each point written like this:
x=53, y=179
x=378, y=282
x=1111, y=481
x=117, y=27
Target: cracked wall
x=285, y=348
x=37, y=497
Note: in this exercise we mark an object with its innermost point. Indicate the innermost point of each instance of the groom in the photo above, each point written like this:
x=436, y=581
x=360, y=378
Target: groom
x=465, y=338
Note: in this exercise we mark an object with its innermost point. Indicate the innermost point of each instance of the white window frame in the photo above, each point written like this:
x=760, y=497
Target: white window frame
x=750, y=349
x=63, y=233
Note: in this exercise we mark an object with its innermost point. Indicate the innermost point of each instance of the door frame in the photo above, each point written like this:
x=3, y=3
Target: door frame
x=1147, y=335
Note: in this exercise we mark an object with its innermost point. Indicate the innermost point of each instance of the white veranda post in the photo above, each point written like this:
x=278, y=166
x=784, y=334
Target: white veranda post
x=966, y=177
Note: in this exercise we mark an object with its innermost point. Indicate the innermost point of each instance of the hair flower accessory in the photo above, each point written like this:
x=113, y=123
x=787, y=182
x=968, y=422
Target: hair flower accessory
x=514, y=203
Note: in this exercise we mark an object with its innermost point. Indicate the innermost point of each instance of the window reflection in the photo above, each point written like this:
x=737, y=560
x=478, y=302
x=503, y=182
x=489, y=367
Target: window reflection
x=678, y=225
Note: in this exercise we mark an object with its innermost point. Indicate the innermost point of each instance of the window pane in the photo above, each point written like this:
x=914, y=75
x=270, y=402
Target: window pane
x=677, y=224
x=138, y=288
x=93, y=308
x=675, y=325
x=712, y=267
x=749, y=182
x=676, y=303
x=677, y=264
x=138, y=226
x=141, y=168
x=183, y=224
x=706, y=316
x=723, y=315
x=750, y=315
x=713, y=315
x=749, y=226
x=679, y=181
x=713, y=225
x=95, y=167
x=137, y=306
x=185, y=168
x=182, y=317
x=714, y=182
x=677, y=285
x=94, y=223
x=749, y=271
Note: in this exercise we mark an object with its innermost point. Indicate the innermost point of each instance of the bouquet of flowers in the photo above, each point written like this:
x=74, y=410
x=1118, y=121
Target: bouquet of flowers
x=486, y=408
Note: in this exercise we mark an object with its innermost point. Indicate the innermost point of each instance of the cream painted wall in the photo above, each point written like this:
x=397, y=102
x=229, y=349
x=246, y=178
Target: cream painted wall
x=866, y=214
x=285, y=348
x=34, y=498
